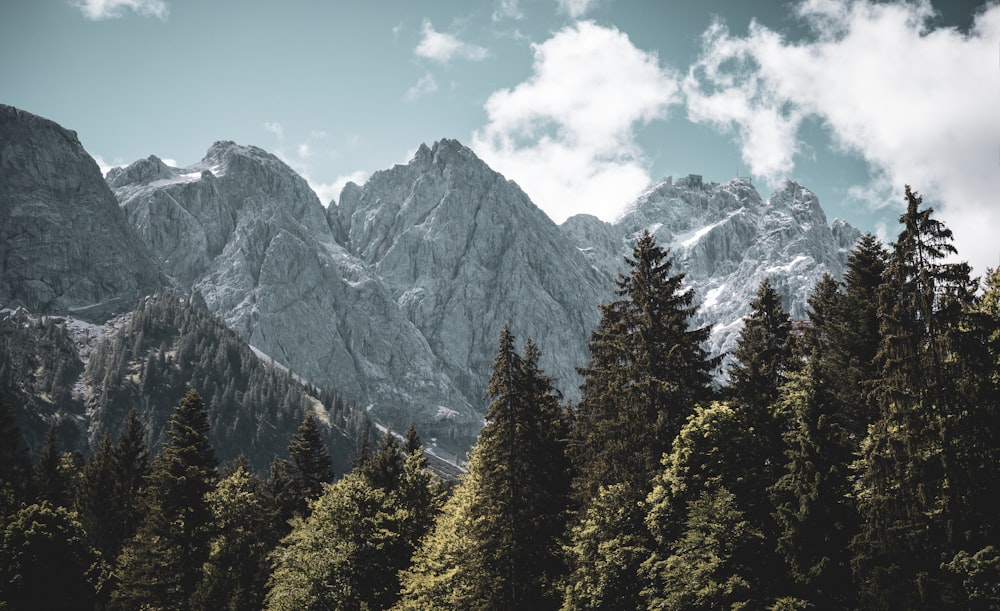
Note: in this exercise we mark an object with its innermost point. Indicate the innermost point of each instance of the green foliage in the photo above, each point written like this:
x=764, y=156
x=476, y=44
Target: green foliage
x=762, y=352
x=14, y=461
x=706, y=566
x=45, y=562
x=235, y=574
x=932, y=453
x=169, y=346
x=813, y=500
x=646, y=372
x=38, y=367
x=161, y=564
x=341, y=556
x=512, y=512
x=607, y=546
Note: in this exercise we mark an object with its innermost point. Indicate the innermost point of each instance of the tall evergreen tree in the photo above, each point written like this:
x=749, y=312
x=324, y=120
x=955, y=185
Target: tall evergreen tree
x=762, y=353
x=915, y=487
x=646, y=372
x=518, y=485
x=161, y=565
x=131, y=464
x=299, y=480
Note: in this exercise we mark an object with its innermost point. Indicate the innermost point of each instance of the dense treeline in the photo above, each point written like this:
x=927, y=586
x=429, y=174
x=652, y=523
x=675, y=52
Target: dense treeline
x=848, y=463
x=169, y=345
x=39, y=365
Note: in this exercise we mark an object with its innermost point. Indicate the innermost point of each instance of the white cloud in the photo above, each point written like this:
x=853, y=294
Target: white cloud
x=576, y=8
x=99, y=10
x=566, y=135
x=170, y=162
x=442, y=47
x=105, y=165
x=424, y=86
x=507, y=9
x=918, y=103
x=275, y=128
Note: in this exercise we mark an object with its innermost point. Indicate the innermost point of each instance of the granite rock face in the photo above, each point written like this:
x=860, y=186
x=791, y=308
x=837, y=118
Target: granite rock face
x=247, y=234
x=396, y=295
x=65, y=246
x=464, y=251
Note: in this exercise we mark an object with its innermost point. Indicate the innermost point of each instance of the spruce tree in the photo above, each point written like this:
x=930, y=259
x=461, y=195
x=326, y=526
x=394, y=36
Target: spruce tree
x=647, y=371
x=299, y=480
x=161, y=564
x=762, y=352
x=516, y=489
x=917, y=485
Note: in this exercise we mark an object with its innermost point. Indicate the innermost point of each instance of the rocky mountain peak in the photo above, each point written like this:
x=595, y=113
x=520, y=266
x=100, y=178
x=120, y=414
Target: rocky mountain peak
x=64, y=244
x=140, y=172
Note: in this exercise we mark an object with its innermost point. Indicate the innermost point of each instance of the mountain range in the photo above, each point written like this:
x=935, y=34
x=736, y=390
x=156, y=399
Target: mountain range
x=395, y=294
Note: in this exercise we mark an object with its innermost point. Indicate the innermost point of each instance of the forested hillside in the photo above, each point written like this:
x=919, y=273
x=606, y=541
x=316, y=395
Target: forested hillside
x=850, y=463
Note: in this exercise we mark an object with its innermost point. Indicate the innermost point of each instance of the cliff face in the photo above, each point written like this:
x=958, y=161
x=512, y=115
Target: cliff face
x=245, y=233
x=65, y=246
x=395, y=296
x=464, y=251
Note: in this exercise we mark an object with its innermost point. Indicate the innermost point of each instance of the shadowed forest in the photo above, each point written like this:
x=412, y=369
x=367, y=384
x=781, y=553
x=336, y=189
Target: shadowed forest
x=849, y=462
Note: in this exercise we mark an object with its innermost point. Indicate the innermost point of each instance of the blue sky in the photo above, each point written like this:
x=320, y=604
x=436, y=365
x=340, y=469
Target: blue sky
x=584, y=103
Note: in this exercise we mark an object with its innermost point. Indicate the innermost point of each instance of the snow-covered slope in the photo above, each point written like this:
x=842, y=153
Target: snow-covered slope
x=727, y=240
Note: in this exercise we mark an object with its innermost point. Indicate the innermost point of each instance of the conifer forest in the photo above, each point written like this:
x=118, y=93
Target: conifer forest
x=849, y=461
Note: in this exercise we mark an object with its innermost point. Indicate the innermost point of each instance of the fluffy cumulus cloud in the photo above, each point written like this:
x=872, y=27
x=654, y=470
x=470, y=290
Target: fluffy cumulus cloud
x=566, y=134
x=918, y=103
x=443, y=47
x=99, y=10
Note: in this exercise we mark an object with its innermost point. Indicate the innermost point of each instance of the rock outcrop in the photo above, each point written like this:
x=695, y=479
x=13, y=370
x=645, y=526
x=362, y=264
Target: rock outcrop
x=464, y=251
x=245, y=233
x=65, y=246
x=727, y=240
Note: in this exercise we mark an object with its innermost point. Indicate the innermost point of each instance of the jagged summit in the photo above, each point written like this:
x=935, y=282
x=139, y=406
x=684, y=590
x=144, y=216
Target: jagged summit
x=727, y=239
x=396, y=295
x=64, y=244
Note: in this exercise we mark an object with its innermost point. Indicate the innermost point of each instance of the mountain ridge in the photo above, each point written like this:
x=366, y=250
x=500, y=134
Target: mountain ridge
x=396, y=293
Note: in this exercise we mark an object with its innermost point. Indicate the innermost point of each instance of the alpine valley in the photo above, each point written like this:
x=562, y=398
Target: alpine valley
x=393, y=297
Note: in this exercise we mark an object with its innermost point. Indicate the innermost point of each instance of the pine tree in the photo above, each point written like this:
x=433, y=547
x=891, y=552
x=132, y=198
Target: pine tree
x=516, y=515
x=705, y=568
x=54, y=473
x=295, y=482
x=95, y=499
x=915, y=482
x=647, y=370
x=131, y=466
x=813, y=500
x=341, y=556
x=161, y=565
x=762, y=352
x=607, y=546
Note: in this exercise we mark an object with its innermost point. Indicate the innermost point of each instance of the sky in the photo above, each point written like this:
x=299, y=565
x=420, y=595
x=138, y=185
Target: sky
x=584, y=103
